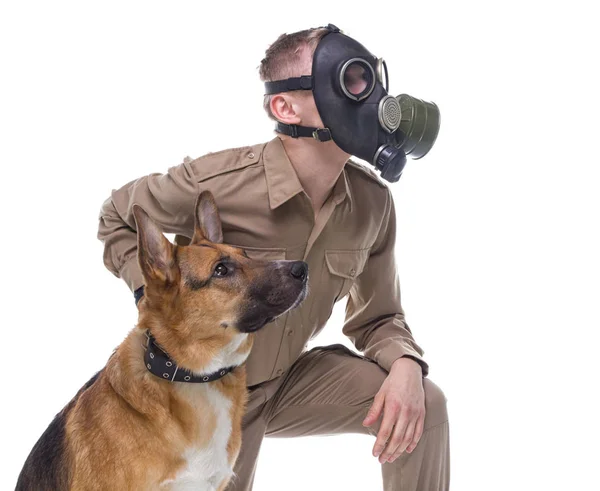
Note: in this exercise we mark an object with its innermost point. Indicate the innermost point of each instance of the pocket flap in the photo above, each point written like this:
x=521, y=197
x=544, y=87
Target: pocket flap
x=265, y=253
x=346, y=263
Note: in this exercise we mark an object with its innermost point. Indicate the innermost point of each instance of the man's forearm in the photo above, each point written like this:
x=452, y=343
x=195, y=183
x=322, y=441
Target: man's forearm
x=386, y=340
x=167, y=198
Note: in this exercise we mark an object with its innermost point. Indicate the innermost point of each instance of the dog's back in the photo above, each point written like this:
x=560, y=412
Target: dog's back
x=48, y=466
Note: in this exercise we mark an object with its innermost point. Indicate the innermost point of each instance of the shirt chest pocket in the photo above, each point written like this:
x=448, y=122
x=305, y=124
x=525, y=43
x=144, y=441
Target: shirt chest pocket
x=340, y=269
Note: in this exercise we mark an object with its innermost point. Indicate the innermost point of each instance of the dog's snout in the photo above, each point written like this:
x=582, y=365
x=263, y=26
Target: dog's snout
x=299, y=270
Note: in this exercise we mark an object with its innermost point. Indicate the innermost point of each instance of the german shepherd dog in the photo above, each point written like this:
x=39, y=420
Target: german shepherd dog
x=132, y=427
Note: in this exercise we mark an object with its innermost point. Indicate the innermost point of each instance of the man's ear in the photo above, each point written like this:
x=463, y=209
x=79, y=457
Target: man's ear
x=155, y=253
x=282, y=107
x=207, y=224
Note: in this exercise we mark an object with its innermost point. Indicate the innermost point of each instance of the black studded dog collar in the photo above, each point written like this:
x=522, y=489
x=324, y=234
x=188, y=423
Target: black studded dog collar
x=159, y=363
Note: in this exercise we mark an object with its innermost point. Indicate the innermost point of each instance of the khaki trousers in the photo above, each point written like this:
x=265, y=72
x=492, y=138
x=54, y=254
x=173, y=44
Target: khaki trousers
x=328, y=390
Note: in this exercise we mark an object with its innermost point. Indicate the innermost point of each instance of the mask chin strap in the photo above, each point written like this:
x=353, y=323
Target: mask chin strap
x=296, y=131
x=304, y=82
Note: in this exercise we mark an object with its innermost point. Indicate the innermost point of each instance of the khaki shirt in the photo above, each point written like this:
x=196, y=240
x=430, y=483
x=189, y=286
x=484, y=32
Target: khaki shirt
x=349, y=247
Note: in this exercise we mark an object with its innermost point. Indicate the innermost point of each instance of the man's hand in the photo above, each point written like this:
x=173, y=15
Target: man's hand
x=402, y=399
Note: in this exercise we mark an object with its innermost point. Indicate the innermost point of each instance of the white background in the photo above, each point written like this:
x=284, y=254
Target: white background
x=498, y=232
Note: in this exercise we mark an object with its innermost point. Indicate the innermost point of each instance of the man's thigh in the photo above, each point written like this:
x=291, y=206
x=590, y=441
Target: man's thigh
x=329, y=390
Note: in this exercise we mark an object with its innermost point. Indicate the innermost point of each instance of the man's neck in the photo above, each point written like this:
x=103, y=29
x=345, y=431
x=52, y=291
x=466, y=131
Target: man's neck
x=318, y=166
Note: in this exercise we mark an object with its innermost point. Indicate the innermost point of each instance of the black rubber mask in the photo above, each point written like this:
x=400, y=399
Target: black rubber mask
x=350, y=90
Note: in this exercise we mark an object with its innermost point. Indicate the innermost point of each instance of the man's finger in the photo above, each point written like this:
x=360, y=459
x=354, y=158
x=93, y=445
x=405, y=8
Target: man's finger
x=374, y=411
x=408, y=437
x=418, y=433
x=385, y=430
x=397, y=436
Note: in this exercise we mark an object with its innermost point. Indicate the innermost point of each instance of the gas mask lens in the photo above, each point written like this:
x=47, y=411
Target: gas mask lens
x=357, y=79
x=382, y=73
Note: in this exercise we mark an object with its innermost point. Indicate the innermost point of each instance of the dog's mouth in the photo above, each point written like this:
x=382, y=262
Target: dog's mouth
x=301, y=296
x=253, y=326
x=257, y=320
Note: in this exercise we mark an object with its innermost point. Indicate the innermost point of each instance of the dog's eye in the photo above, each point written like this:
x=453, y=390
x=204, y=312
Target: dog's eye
x=221, y=270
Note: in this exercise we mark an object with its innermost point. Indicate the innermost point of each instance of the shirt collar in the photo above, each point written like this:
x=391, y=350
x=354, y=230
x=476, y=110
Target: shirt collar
x=283, y=182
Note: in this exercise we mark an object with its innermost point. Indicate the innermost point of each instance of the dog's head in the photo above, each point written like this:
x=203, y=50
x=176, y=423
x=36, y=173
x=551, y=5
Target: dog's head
x=209, y=291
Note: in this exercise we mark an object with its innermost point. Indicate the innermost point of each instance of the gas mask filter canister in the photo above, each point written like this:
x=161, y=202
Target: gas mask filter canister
x=350, y=87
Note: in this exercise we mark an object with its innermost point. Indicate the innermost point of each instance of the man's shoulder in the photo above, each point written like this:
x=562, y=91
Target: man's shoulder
x=231, y=159
x=357, y=171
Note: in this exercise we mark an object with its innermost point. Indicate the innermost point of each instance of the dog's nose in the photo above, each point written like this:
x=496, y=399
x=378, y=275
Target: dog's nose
x=299, y=270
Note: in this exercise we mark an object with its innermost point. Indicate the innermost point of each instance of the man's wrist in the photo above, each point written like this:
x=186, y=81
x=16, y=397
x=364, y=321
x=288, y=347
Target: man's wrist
x=407, y=361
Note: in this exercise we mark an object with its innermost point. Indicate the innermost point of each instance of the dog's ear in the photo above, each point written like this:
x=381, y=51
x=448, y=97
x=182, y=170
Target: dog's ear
x=207, y=221
x=155, y=253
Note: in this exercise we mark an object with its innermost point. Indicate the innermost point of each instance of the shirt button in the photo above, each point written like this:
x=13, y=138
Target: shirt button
x=279, y=372
x=251, y=155
x=290, y=332
x=352, y=272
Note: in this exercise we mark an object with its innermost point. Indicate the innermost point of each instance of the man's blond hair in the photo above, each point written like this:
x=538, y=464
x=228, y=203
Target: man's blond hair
x=283, y=58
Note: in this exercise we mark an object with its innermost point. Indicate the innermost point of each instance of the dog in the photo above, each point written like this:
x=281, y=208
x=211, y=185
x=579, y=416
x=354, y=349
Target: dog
x=165, y=412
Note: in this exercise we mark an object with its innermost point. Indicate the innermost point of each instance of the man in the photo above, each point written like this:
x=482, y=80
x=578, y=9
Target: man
x=303, y=199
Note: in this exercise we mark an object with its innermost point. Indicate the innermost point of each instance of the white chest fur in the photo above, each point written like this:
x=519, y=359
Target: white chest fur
x=208, y=465
x=227, y=356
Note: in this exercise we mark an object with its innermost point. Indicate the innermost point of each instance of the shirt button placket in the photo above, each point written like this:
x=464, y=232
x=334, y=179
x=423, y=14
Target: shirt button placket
x=278, y=360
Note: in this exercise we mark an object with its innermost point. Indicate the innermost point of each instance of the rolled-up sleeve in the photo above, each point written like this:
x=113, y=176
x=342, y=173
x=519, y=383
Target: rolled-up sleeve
x=374, y=316
x=167, y=198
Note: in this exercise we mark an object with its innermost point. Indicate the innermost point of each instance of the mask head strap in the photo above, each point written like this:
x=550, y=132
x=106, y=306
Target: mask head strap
x=305, y=82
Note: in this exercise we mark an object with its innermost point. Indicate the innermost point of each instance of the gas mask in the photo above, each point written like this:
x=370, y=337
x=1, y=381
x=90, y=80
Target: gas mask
x=350, y=87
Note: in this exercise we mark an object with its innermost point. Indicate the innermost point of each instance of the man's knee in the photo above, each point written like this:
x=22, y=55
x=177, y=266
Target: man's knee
x=435, y=405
